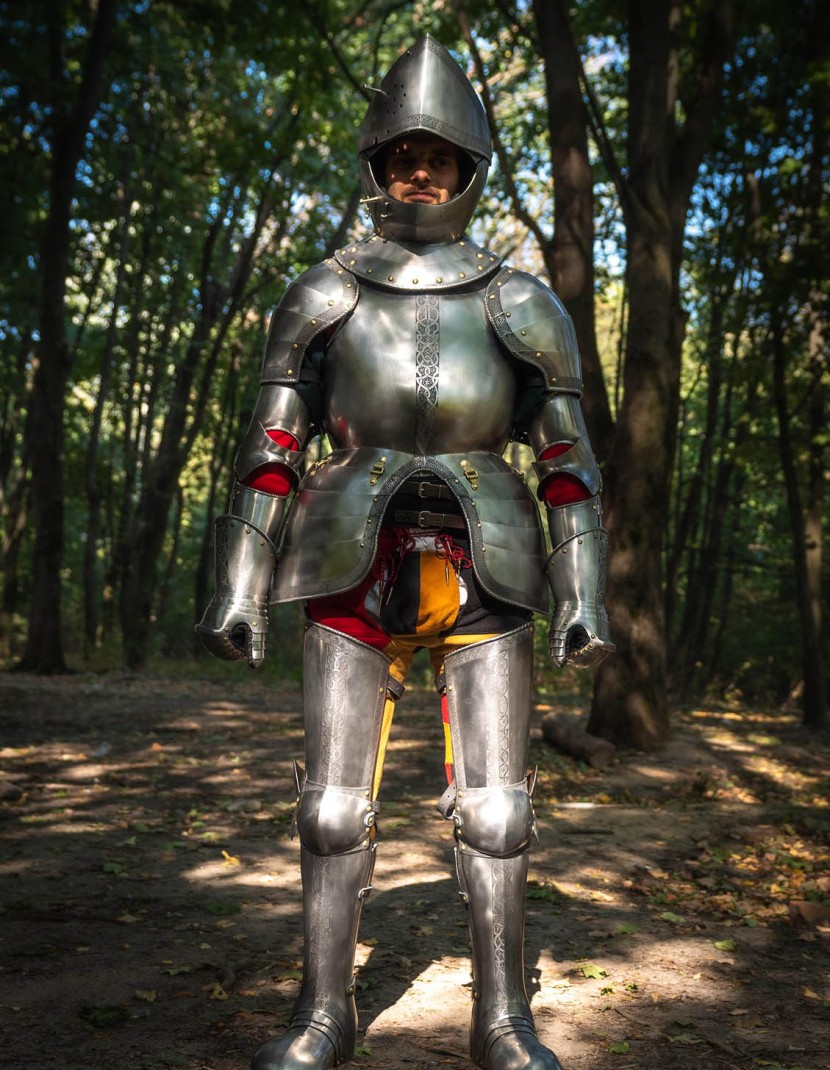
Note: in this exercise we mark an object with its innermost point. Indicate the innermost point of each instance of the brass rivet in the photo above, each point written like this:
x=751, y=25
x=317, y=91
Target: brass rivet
x=538, y=354
x=390, y=278
x=295, y=346
x=508, y=314
x=492, y=297
x=522, y=333
x=331, y=303
x=414, y=282
x=462, y=243
x=439, y=278
x=480, y=268
x=352, y=261
x=369, y=270
x=479, y=256
x=461, y=275
x=313, y=323
x=290, y=371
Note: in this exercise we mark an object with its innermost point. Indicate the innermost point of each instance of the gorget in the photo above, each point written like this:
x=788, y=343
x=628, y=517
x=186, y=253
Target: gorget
x=418, y=268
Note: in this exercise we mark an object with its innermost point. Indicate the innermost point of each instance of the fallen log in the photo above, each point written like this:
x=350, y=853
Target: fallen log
x=565, y=735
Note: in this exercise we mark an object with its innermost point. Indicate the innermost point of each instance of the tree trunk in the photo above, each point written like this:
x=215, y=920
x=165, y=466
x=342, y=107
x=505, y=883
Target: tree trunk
x=814, y=698
x=44, y=644
x=93, y=483
x=631, y=705
x=570, y=255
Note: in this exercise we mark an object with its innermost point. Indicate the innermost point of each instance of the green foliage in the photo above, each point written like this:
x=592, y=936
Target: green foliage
x=219, y=165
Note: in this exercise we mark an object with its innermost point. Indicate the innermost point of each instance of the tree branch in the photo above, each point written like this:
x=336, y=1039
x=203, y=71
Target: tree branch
x=519, y=209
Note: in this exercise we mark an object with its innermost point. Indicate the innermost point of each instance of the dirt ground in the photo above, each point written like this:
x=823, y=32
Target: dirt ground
x=679, y=908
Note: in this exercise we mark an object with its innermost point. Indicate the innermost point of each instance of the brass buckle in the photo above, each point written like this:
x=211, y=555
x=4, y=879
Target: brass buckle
x=376, y=471
x=470, y=473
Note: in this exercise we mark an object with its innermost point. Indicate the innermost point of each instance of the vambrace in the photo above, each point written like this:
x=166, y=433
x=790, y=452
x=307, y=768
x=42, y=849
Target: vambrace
x=278, y=408
x=561, y=423
x=577, y=571
x=235, y=623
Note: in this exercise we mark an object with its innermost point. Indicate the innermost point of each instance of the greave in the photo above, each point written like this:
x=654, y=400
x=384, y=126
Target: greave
x=489, y=699
x=345, y=692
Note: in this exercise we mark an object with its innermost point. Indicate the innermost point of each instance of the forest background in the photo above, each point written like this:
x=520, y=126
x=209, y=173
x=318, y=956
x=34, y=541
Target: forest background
x=168, y=168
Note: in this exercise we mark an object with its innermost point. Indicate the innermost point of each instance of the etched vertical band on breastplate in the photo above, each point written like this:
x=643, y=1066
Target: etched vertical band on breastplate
x=427, y=347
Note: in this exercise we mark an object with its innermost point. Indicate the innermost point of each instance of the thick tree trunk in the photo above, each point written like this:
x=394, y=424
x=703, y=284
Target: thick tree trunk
x=44, y=644
x=570, y=255
x=631, y=705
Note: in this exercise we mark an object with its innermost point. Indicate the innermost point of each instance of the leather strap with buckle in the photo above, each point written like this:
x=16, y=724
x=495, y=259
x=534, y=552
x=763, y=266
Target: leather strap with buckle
x=425, y=489
x=425, y=519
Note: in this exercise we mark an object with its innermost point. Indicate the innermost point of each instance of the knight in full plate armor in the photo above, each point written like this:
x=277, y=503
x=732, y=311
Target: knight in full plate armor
x=420, y=355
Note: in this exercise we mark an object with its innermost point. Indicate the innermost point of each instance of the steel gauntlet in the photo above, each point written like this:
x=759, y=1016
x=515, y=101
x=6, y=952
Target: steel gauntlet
x=577, y=572
x=235, y=622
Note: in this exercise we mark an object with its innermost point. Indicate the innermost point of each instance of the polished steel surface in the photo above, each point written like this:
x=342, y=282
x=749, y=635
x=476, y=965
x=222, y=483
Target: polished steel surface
x=235, y=624
x=489, y=699
x=342, y=675
x=578, y=569
x=532, y=323
x=278, y=408
x=331, y=532
x=411, y=354
x=262, y=511
x=318, y=300
x=567, y=521
x=424, y=91
x=324, y=1023
x=416, y=267
x=559, y=422
x=489, y=695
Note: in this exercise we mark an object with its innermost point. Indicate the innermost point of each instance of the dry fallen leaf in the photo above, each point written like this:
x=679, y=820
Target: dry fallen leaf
x=215, y=990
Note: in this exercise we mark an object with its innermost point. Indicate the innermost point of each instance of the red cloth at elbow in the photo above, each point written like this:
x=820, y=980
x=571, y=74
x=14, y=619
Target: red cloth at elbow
x=561, y=488
x=274, y=478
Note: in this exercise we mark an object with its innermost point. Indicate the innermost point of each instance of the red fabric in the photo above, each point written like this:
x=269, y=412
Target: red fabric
x=275, y=478
x=346, y=612
x=561, y=488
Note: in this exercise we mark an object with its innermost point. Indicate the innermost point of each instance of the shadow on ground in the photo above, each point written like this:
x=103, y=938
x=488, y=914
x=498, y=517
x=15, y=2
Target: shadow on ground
x=150, y=902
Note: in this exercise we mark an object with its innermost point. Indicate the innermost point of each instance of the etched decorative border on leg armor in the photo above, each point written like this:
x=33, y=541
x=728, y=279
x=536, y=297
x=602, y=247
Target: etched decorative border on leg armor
x=489, y=699
x=345, y=693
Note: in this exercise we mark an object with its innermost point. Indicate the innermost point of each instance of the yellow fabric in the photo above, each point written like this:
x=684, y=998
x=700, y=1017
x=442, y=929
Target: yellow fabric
x=402, y=650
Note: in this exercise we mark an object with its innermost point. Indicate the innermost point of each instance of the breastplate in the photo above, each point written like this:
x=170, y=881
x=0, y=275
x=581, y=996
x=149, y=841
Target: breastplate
x=419, y=373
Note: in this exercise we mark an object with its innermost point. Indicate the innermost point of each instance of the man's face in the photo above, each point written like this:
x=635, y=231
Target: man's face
x=422, y=169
